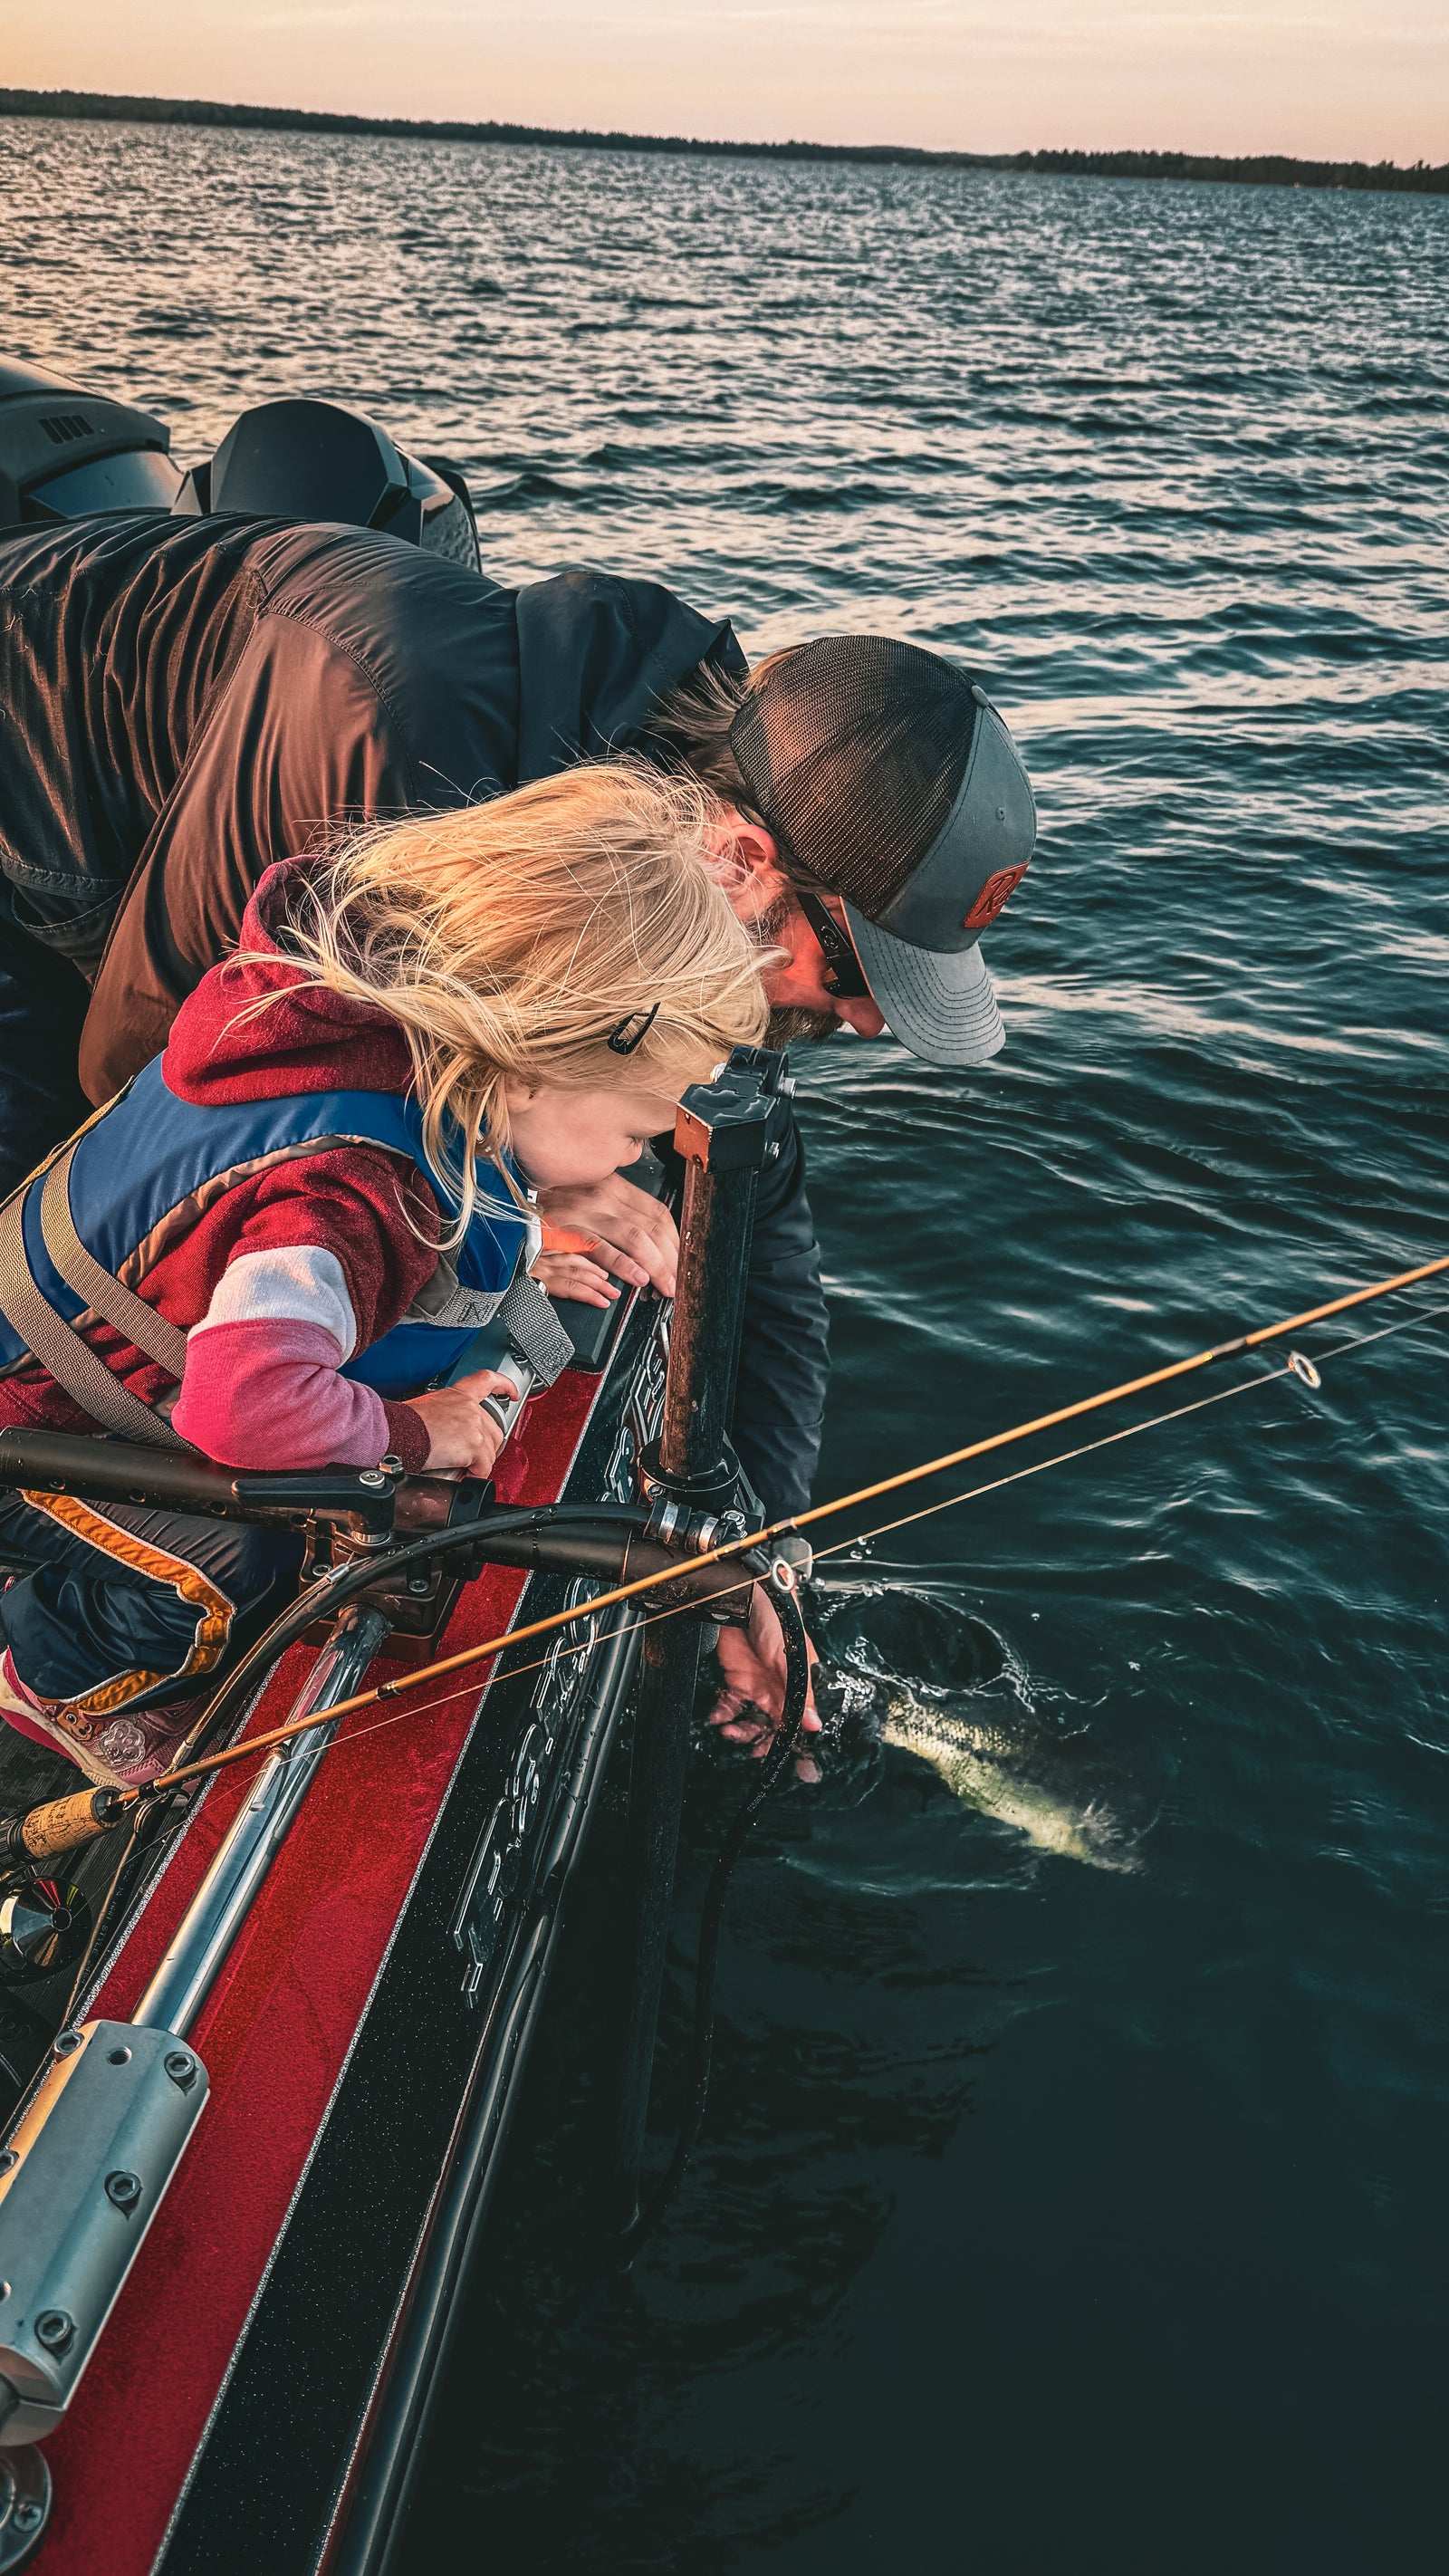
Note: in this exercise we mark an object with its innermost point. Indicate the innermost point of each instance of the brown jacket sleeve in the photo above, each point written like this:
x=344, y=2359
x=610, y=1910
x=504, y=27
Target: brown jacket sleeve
x=297, y=742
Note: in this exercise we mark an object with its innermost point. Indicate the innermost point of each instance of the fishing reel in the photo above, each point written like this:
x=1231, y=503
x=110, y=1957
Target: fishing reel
x=45, y=1924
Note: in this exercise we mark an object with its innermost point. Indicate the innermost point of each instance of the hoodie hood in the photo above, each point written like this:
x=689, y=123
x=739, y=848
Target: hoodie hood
x=596, y=653
x=221, y=1049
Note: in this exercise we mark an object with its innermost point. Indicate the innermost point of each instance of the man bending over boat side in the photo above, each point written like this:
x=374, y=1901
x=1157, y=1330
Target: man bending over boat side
x=348, y=1109
x=186, y=701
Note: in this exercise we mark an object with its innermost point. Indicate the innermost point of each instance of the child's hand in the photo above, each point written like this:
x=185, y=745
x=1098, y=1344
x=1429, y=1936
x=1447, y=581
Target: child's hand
x=463, y=1440
x=573, y=1275
x=617, y=1225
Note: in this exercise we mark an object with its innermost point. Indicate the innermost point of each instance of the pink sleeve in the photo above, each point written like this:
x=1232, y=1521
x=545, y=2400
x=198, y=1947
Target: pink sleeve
x=269, y=1395
x=262, y=1388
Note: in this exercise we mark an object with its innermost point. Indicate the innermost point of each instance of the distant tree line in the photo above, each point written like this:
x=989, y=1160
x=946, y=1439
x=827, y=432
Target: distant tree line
x=1269, y=171
x=419, y=129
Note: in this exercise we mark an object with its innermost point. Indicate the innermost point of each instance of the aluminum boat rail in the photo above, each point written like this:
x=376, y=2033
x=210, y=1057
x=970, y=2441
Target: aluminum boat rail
x=204, y=1937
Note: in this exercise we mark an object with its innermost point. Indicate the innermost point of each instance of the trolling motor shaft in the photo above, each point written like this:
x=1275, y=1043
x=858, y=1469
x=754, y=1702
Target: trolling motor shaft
x=360, y=1500
x=726, y=1131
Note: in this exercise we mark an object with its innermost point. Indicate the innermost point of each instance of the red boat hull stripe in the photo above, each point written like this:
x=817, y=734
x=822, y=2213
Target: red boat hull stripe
x=275, y=2038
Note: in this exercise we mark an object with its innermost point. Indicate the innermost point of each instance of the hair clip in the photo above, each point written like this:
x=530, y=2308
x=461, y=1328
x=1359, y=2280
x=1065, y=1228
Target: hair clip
x=621, y=1042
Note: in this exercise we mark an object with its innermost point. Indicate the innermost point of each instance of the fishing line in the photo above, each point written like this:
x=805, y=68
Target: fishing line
x=884, y=1529
x=1109, y=1439
x=1063, y=1458
x=735, y=1547
x=1405, y=1324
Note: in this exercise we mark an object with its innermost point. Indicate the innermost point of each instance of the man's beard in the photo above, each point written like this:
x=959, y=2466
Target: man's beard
x=794, y=1027
x=801, y=1028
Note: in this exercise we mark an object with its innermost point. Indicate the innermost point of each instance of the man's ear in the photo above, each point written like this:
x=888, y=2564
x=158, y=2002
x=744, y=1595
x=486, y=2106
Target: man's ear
x=743, y=857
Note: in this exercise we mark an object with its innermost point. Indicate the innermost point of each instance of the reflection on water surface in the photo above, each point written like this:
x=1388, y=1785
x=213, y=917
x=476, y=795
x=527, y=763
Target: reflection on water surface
x=1048, y=2217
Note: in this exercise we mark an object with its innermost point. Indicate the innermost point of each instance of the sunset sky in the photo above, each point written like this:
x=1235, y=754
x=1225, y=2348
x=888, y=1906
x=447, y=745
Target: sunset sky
x=1329, y=78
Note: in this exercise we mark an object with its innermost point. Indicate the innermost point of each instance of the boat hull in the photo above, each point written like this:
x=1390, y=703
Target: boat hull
x=363, y=2043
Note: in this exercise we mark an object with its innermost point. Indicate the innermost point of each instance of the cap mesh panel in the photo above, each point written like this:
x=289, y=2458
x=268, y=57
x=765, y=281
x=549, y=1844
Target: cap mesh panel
x=852, y=751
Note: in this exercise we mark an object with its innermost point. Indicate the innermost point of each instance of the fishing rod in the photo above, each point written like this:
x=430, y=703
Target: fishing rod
x=90, y=1812
x=742, y=1545
x=1305, y=1371
x=773, y=1758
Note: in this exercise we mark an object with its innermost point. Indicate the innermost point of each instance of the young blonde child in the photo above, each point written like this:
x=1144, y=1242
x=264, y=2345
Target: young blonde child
x=323, y=1182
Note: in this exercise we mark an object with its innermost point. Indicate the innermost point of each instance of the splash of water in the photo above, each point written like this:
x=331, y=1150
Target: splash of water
x=975, y=1762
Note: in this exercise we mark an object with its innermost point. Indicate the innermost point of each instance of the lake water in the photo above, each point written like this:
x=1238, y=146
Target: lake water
x=1050, y=2217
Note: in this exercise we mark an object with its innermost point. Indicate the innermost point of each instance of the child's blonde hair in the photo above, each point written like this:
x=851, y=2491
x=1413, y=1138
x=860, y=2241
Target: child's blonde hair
x=511, y=939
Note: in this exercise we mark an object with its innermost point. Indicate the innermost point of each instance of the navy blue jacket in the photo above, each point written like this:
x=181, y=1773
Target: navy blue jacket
x=184, y=701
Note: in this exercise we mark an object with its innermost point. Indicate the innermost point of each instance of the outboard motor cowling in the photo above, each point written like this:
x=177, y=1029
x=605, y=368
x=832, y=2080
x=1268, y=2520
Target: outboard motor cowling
x=66, y=453
x=302, y=459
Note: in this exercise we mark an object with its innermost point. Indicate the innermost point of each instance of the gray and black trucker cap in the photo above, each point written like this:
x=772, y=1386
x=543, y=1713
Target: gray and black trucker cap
x=890, y=780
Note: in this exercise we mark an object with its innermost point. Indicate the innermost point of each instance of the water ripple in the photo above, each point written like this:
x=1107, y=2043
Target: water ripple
x=1026, y=2188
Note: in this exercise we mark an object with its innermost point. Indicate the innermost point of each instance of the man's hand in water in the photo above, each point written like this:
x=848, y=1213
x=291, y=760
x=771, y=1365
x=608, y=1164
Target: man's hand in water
x=752, y=1703
x=605, y=1230
x=463, y=1440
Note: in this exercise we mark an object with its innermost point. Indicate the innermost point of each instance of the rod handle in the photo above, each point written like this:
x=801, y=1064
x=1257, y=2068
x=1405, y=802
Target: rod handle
x=61, y=1824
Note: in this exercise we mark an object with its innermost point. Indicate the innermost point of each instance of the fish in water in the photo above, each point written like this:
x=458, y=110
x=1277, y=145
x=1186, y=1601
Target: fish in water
x=968, y=1758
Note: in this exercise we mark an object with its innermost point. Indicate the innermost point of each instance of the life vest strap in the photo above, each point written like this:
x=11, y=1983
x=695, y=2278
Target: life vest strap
x=100, y=1289
x=55, y=1343
x=533, y=1328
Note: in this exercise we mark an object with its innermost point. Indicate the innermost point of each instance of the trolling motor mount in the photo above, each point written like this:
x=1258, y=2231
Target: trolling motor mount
x=83, y=2176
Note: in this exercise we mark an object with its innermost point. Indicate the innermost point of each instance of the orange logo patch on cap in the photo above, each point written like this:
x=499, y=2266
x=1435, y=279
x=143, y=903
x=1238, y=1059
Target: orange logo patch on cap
x=996, y=892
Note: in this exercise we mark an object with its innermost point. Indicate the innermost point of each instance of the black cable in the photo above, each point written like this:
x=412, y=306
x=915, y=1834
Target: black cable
x=139, y=1844
x=128, y=1850
x=321, y=1600
x=797, y=1692
x=325, y=1599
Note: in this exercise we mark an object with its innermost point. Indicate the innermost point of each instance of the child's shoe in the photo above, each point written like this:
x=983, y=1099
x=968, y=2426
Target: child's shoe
x=121, y=1752
x=144, y=1742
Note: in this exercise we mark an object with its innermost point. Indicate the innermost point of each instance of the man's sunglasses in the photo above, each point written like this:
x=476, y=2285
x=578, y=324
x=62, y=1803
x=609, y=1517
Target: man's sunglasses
x=844, y=974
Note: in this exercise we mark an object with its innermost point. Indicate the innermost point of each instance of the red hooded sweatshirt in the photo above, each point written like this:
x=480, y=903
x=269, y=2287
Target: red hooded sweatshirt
x=283, y=1277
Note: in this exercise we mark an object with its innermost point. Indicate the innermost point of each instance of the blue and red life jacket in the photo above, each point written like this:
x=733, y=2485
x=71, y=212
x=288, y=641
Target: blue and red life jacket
x=147, y=1160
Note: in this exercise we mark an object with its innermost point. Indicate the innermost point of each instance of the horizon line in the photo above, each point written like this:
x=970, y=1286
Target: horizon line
x=1247, y=169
